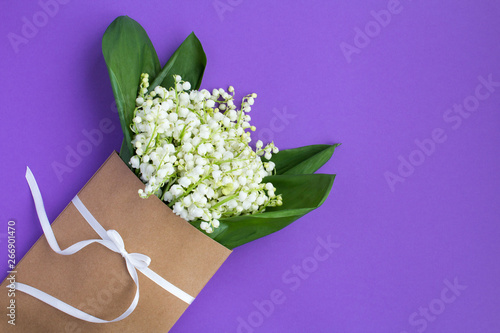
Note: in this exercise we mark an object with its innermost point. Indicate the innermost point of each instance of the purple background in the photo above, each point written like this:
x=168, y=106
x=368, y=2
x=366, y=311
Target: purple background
x=397, y=246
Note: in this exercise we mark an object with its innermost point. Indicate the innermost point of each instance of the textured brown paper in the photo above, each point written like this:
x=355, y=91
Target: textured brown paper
x=95, y=279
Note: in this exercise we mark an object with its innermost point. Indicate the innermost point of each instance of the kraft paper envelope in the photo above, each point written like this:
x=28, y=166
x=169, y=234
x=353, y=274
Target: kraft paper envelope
x=95, y=279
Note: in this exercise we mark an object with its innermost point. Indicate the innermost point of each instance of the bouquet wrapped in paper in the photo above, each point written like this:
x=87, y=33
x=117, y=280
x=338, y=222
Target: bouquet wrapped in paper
x=138, y=243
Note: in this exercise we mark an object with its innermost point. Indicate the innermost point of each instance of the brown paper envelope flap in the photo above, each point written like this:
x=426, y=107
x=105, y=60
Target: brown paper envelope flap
x=96, y=280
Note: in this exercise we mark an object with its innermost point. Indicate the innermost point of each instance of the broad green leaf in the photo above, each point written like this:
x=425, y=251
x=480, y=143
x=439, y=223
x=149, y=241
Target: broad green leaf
x=125, y=153
x=128, y=53
x=302, y=160
x=188, y=61
x=301, y=195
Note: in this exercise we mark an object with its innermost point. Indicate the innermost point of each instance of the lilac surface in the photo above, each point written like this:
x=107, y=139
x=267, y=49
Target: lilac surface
x=397, y=249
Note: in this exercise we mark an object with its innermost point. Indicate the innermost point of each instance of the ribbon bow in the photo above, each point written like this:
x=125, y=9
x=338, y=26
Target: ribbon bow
x=139, y=261
x=110, y=239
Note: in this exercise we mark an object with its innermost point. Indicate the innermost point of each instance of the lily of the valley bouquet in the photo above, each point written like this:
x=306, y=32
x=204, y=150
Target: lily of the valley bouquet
x=186, y=158
x=191, y=147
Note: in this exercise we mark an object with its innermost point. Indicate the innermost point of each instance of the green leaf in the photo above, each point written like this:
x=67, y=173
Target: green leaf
x=125, y=153
x=128, y=53
x=301, y=194
x=302, y=160
x=188, y=61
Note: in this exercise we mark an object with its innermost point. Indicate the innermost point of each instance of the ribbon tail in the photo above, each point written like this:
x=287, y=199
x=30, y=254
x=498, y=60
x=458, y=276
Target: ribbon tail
x=40, y=210
x=70, y=310
x=179, y=293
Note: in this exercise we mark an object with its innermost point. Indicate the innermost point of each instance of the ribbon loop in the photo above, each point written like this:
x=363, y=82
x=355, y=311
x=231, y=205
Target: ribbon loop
x=110, y=239
x=117, y=240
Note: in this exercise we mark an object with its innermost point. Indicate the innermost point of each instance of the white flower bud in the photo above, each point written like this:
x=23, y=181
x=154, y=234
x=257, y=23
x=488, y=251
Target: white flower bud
x=162, y=173
x=226, y=180
x=168, y=197
x=184, y=181
x=187, y=147
x=210, y=103
x=183, y=99
x=202, y=150
x=242, y=196
x=183, y=112
x=187, y=200
x=176, y=190
x=134, y=162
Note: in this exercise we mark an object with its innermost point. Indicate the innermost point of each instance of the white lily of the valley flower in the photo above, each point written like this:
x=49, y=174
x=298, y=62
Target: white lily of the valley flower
x=196, y=157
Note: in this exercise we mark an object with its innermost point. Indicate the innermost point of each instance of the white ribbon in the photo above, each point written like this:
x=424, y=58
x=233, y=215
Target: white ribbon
x=110, y=239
